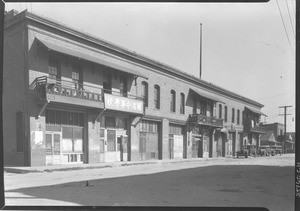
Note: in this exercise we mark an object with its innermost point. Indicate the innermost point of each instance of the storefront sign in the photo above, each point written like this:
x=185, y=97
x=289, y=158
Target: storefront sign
x=123, y=104
x=37, y=137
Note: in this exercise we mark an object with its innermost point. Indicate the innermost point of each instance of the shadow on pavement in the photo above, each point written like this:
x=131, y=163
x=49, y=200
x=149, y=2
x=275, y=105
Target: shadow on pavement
x=231, y=185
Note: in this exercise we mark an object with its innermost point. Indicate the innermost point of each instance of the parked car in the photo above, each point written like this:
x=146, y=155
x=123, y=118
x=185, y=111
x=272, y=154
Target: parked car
x=242, y=152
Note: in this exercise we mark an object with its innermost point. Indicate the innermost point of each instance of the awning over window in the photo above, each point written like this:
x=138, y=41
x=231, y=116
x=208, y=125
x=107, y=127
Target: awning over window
x=255, y=111
x=207, y=96
x=93, y=58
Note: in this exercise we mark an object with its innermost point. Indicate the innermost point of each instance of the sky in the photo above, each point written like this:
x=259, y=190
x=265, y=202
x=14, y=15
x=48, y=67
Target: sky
x=247, y=48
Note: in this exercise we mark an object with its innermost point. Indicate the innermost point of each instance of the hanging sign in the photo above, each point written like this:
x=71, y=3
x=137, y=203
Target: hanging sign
x=125, y=104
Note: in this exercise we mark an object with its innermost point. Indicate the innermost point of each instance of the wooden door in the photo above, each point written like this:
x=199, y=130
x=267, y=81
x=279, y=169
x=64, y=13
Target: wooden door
x=53, y=148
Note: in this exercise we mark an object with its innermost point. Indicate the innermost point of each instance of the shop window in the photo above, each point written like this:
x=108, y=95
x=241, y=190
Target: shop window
x=173, y=101
x=145, y=93
x=111, y=140
x=156, y=97
x=233, y=112
x=175, y=129
x=182, y=103
x=225, y=114
x=121, y=123
x=19, y=132
x=110, y=122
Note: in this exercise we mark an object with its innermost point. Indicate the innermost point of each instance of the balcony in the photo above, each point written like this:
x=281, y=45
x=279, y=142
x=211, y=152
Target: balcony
x=61, y=91
x=45, y=89
x=205, y=120
x=250, y=126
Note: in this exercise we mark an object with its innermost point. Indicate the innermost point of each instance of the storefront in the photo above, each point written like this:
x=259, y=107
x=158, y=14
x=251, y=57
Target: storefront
x=64, y=137
x=149, y=139
x=175, y=141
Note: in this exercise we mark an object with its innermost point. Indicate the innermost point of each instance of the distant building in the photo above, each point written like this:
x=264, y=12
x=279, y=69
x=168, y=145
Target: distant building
x=70, y=97
x=290, y=142
x=277, y=128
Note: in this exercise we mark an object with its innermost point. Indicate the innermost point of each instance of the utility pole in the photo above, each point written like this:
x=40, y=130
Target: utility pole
x=200, y=50
x=284, y=138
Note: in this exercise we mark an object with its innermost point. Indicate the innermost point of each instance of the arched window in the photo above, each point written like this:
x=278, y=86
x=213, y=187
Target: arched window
x=220, y=111
x=225, y=117
x=173, y=101
x=182, y=102
x=145, y=93
x=156, y=97
x=238, y=117
x=232, y=115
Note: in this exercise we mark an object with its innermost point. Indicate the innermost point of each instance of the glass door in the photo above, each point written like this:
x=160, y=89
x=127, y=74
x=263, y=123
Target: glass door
x=53, y=148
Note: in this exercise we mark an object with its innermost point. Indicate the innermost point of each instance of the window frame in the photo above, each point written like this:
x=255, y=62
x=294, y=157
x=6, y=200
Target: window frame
x=233, y=115
x=225, y=114
x=220, y=111
x=182, y=102
x=156, y=97
x=173, y=101
x=144, y=94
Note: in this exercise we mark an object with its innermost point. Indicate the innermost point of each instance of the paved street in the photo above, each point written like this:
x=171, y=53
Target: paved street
x=256, y=182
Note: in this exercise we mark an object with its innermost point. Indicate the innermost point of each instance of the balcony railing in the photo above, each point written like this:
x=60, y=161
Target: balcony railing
x=250, y=126
x=45, y=88
x=205, y=120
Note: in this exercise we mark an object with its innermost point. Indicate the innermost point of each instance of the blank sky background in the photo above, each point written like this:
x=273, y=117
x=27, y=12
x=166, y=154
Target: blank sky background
x=245, y=46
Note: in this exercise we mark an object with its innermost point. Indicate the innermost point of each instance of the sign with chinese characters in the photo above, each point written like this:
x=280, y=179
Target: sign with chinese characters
x=123, y=104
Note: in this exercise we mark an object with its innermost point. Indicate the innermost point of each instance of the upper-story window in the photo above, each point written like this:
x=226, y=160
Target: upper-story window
x=54, y=69
x=225, y=114
x=220, y=111
x=232, y=119
x=203, y=107
x=173, y=101
x=123, y=86
x=243, y=116
x=145, y=93
x=107, y=83
x=156, y=97
x=77, y=77
x=238, y=117
x=194, y=105
x=182, y=102
x=211, y=109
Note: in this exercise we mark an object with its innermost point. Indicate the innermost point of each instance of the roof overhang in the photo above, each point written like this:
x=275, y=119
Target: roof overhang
x=92, y=58
x=255, y=111
x=207, y=96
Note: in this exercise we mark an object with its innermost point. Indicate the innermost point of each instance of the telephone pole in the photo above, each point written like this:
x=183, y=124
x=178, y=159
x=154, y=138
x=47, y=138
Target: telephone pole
x=285, y=114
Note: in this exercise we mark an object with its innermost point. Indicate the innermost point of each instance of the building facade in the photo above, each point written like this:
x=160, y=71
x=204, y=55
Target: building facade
x=72, y=98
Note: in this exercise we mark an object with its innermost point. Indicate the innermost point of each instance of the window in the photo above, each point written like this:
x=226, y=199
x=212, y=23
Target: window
x=111, y=140
x=173, y=101
x=182, y=102
x=107, y=83
x=194, y=105
x=149, y=126
x=19, y=132
x=54, y=69
x=57, y=117
x=123, y=87
x=203, y=107
x=211, y=109
x=232, y=115
x=238, y=117
x=156, y=97
x=220, y=111
x=110, y=122
x=175, y=129
x=77, y=77
x=145, y=93
x=243, y=116
x=225, y=117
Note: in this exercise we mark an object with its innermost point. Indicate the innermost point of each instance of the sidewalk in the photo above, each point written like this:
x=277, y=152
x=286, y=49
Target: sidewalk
x=70, y=167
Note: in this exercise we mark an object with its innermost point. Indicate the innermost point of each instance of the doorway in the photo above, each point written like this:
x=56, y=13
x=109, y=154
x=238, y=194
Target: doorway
x=53, y=148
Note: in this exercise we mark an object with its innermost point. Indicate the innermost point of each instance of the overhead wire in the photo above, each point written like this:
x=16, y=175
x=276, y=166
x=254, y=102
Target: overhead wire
x=290, y=17
x=285, y=27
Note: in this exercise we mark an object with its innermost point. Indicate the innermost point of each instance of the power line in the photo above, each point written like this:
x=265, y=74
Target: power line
x=285, y=27
x=285, y=114
x=290, y=17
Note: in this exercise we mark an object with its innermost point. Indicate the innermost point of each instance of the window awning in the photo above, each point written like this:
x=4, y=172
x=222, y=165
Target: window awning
x=76, y=53
x=207, y=96
x=255, y=111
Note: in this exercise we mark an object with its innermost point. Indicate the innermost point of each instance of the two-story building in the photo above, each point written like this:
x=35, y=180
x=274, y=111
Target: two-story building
x=70, y=97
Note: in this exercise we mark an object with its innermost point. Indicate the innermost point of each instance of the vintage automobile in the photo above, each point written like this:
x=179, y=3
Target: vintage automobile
x=242, y=152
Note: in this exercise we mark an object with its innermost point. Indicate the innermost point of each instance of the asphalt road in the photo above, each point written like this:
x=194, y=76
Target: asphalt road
x=253, y=182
